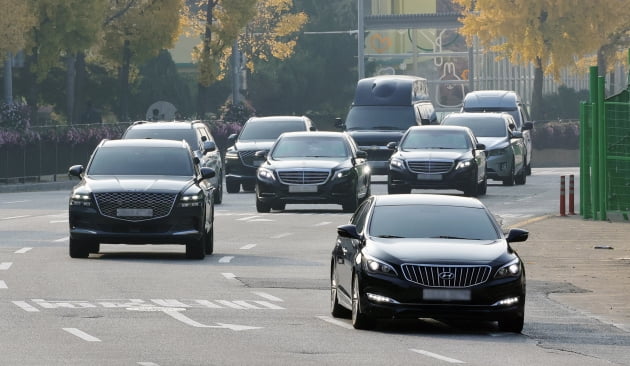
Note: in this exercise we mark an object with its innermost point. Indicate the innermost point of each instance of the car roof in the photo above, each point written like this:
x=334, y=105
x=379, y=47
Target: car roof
x=491, y=99
x=174, y=125
x=478, y=115
x=439, y=128
x=277, y=119
x=144, y=143
x=313, y=134
x=426, y=199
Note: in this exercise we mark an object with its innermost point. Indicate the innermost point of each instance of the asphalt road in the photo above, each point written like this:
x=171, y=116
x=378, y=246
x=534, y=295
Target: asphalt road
x=261, y=299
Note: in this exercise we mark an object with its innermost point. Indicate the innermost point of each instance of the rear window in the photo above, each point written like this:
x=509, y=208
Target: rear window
x=435, y=140
x=396, y=118
x=310, y=147
x=486, y=127
x=128, y=160
x=269, y=130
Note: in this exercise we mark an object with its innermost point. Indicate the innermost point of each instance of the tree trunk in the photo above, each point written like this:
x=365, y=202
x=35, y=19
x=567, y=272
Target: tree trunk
x=8, y=79
x=32, y=86
x=202, y=90
x=124, y=84
x=537, y=92
x=70, y=84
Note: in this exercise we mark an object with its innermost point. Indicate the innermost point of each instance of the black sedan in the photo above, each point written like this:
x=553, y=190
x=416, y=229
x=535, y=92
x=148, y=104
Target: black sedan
x=312, y=167
x=438, y=157
x=427, y=256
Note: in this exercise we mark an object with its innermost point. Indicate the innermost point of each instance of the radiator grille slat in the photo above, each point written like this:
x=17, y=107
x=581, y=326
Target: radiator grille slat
x=160, y=204
x=303, y=176
x=430, y=166
x=446, y=276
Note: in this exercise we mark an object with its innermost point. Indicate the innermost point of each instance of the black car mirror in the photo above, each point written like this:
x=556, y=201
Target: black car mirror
x=209, y=146
x=481, y=147
x=232, y=138
x=516, y=235
x=392, y=145
x=196, y=160
x=362, y=154
x=517, y=134
x=75, y=171
x=260, y=155
x=207, y=173
x=527, y=126
x=348, y=231
x=339, y=122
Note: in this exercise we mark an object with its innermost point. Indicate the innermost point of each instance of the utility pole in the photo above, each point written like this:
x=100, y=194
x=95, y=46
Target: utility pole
x=361, y=39
x=8, y=78
x=236, y=74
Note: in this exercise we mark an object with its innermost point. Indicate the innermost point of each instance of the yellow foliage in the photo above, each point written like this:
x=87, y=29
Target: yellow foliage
x=17, y=18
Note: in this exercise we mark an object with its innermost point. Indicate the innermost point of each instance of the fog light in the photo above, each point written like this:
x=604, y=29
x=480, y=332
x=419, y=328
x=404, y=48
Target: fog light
x=507, y=302
x=379, y=298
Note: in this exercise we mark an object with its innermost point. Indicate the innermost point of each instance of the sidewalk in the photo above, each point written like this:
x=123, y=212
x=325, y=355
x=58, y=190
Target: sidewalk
x=593, y=256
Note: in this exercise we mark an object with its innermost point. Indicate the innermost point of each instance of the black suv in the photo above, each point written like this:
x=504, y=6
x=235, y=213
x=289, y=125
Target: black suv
x=258, y=134
x=142, y=192
x=196, y=134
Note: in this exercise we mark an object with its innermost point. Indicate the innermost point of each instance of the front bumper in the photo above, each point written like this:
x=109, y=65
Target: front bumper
x=499, y=167
x=453, y=179
x=335, y=191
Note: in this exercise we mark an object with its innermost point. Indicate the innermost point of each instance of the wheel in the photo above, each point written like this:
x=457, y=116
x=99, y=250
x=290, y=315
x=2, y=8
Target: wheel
x=336, y=310
x=248, y=187
x=398, y=189
x=262, y=206
x=359, y=319
x=279, y=206
x=94, y=246
x=352, y=204
x=79, y=248
x=196, y=249
x=512, y=323
x=509, y=180
x=232, y=186
x=483, y=187
x=209, y=242
x=472, y=189
x=218, y=192
x=521, y=178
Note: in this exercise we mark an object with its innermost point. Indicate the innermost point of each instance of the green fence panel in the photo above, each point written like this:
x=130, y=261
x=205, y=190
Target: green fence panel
x=618, y=157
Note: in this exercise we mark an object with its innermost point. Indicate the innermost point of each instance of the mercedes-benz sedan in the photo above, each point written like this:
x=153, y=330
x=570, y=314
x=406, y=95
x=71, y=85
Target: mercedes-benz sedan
x=427, y=256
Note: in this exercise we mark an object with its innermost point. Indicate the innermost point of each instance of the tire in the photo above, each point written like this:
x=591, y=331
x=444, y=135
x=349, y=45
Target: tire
x=196, y=249
x=232, y=186
x=336, y=310
x=209, y=242
x=262, y=206
x=398, y=189
x=95, y=247
x=279, y=206
x=509, y=180
x=359, y=319
x=483, y=187
x=512, y=323
x=79, y=248
x=218, y=193
x=472, y=190
x=521, y=178
x=248, y=187
x=352, y=204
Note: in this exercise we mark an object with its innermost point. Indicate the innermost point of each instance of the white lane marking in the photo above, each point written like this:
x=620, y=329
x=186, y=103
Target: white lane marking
x=269, y=305
x=248, y=246
x=336, y=322
x=65, y=238
x=23, y=250
x=435, y=355
x=267, y=296
x=3, y=285
x=58, y=221
x=229, y=276
x=5, y=265
x=281, y=235
x=261, y=220
x=22, y=201
x=323, y=223
x=226, y=259
x=230, y=304
x=26, y=306
x=186, y=320
x=148, y=364
x=170, y=303
x=247, y=218
x=15, y=217
x=81, y=334
x=208, y=304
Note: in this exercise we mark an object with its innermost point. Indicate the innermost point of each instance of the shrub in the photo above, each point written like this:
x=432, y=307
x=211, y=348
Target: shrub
x=556, y=135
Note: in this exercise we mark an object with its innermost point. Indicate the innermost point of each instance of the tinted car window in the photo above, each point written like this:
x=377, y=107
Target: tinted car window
x=422, y=221
x=269, y=130
x=436, y=140
x=136, y=161
x=166, y=134
x=383, y=117
x=307, y=147
x=491, y=127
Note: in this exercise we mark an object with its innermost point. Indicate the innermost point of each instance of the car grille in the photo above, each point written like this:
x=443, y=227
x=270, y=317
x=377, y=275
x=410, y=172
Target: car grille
x=446, y=276
x=247, y=157
x=303, y=176
x=161, y=204
x=430, y=166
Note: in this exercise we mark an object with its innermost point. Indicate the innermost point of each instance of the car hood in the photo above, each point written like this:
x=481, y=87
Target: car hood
x=493, y=142
x=430, y=154
x=306, y=163
x=254, y=145
x=375, y=137
x=437, y=251
x=137, y=183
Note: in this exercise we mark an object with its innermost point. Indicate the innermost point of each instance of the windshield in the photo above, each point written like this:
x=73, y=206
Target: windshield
x=432, y=221
x=309, y=147
x=132, y=160
x=166, y=134
x=269, y=130
x=487, y=127
x=380, y=118
x=435, y=140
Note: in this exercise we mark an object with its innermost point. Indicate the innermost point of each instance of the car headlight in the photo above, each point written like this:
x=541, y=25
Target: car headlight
x=191, y=200
x=81, y=199
x=265, y=174
x=464, y=164
x=500, y=151
x=396, y=163
x=512, y=269
x=373, y=265
x=342, y=173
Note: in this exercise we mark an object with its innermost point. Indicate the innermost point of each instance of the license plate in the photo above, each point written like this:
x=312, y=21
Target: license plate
x=302, y=189
x=423, y=176
x=136, y=212
x=446, y=295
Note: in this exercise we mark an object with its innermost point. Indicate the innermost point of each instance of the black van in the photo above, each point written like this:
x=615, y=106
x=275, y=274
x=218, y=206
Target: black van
x=384, y=107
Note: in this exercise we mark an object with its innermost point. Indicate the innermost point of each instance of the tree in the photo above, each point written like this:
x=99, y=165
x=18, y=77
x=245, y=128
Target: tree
x=551, y=34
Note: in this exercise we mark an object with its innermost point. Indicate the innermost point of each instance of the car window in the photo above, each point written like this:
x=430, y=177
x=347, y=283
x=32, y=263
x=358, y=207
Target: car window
x=123, y=160
x=435, y=140
x=269, y=130
x=381, y=117
x=489, y=127
x=360, y=216
x=291, y=147
x=432, y=221
x=166, y=134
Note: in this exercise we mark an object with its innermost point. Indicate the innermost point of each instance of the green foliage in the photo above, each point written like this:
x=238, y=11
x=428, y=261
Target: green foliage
x=563, y=105
x=556, y=135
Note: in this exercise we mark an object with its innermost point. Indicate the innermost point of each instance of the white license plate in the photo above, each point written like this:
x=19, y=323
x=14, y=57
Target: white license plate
x=302, y=189
x=423, y=176
x=446, y=295
x=137, y=212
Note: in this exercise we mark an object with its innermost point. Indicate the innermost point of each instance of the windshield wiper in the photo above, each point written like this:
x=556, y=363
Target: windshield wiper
x=447, y=237
x=390, y=236
x=385, y=128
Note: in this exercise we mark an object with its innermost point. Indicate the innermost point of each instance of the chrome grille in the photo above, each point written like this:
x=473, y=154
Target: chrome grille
x=160, y=203
x=446, y=276
x=247, y=157
x=430, y=166
x=303, y=176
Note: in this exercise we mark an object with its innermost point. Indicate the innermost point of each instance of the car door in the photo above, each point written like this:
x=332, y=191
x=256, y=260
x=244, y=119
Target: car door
x=346, y=250
x=362, y=168
x=480, y=158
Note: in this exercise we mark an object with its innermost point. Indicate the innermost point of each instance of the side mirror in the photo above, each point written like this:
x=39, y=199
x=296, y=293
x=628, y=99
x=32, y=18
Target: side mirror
x=196, y=160
x=76, y=171
x=232, y=138
x=480, y=147
x=339, y=123
x=517, y=134
x=207, y=173
x=527, y=126
x=312, y=128
x=362, y=154
x=261, y=155
x=516, y=235
x=209, y=146
x=348, y=231
x=392, y=145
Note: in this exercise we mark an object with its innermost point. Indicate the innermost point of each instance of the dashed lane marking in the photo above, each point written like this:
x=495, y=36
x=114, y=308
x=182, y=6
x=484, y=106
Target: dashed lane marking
x=58, y=221
x=229, y=276
x=151, y=305
x=267, y=296
x=323, y=223
x=226, y=259
x=23, y=250
x=436, y=356
x=5, y=265
x=65, y=238
x=336, y=322
x=248, y=246
x=81, y=334
x=26, y=306
x=3, y=285
x=15, y=217
x=281, y=235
